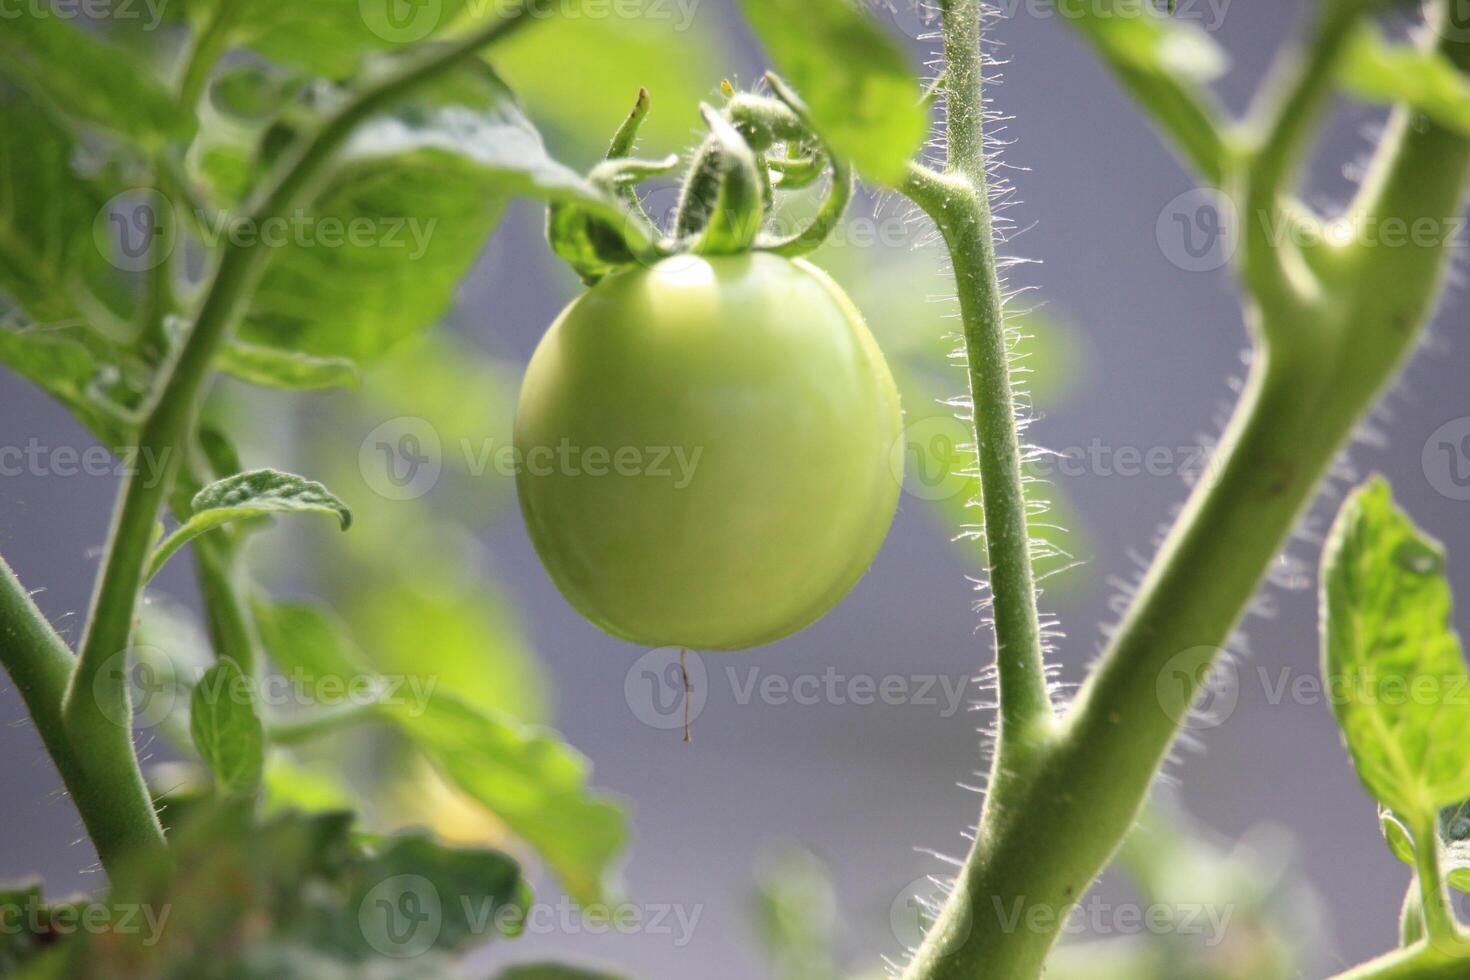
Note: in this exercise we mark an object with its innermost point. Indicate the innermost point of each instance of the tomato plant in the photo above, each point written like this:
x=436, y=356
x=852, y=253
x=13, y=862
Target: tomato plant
x=704, y=442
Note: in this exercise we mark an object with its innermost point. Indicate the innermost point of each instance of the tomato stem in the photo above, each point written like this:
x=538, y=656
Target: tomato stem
x=95, y=709
x=1053, y=821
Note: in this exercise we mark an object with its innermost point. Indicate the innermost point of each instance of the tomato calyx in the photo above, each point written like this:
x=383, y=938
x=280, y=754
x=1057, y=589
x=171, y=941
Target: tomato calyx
x=758, y=145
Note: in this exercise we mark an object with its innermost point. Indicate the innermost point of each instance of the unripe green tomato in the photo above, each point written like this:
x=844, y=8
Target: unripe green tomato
x=704, y=450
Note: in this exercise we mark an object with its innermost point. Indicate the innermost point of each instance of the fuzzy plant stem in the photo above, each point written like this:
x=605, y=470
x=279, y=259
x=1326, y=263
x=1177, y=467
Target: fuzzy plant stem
x=1325, y=349
x=39, y=664
x=958, y=201
x=95, y=708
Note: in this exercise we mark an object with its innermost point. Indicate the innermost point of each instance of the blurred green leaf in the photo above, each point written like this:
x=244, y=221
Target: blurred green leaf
x=529, y=779
x=405, y=212
x=532, y=781
x=330, y=37
x=462, y=619
x=1392, y=659
x=678, y=58
x=246, y=496
x=50, y=263
x=100, y=384
x=45, y=51
x=856, y=80
x=1377, y=71
x=796, y=914
x=478, y=890
x=226, y=728
x=271, y=367
x=297, y=897
x=290, y=784
x=308, y=639
x=1165, y=63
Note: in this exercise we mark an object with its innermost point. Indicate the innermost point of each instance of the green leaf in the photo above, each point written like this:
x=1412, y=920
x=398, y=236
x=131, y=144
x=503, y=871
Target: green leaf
x=473, y=889
x=45, y=52
x=331, y=37
x=308, y=638
x=1376, y=71
x=296, y=897
x=244, y=496
x=50, y=263
x=1453, y=827
x=97, y=382
x=226, y=729
x=856, y=80
x=1392, y=659
x=531, y=780
x=290, y=784
x=406, y=211
x=271, y=367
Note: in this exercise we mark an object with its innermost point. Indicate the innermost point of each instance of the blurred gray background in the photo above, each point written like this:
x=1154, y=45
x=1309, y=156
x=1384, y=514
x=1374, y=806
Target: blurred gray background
x=868, y=787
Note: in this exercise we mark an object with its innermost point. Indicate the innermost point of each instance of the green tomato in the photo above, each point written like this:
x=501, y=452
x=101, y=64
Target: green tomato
x=704, y=450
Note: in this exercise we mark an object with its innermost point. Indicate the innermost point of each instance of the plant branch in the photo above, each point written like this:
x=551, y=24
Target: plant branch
x=1434, y=904
x=1292, y=103
x=958, y=202
x=1419, y=962
x=92, y=694
x=1060, y=823
x=114, y=805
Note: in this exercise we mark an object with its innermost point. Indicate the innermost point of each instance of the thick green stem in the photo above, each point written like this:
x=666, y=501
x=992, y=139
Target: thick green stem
x=117, y=813
x=1319, y=368
x=1420, y=962
x=96, y=707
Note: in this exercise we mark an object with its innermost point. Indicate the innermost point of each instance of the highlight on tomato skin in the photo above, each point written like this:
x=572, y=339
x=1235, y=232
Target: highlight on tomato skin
x=704, y=450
